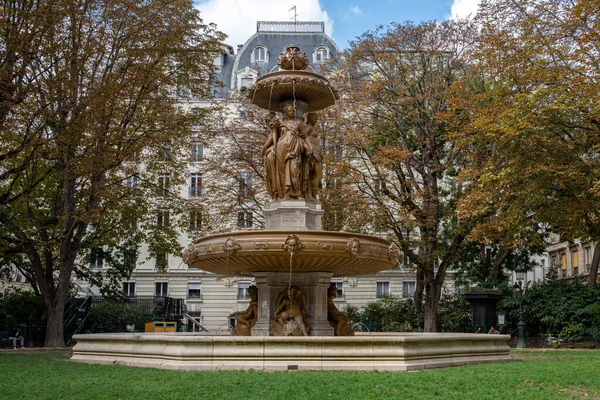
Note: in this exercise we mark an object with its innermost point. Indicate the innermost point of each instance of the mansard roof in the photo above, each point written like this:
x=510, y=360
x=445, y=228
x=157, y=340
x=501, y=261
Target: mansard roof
x=274, y=37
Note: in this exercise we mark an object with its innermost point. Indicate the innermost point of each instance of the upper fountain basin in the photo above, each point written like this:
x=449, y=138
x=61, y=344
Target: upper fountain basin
x=272, y=89
x=243, y=253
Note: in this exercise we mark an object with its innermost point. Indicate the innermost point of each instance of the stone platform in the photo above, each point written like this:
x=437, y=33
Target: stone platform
x=363, y=352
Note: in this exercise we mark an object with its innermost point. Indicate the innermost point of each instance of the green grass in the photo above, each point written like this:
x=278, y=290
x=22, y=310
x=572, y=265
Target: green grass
x=553, y=374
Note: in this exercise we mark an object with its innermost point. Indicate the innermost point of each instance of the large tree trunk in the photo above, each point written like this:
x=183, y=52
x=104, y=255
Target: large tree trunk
x=591, y=283
x=55, y=336
x=418, y=297
x=433, y=293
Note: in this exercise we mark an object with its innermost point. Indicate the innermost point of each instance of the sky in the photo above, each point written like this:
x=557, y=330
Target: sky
x=344, y=19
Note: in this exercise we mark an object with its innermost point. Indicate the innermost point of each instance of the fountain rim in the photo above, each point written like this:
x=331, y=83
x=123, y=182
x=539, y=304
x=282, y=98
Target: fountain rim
x=261, y=93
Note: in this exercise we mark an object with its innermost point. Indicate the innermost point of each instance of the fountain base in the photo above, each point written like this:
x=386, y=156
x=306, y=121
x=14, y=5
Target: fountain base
x=363, y=352
x=314, y=285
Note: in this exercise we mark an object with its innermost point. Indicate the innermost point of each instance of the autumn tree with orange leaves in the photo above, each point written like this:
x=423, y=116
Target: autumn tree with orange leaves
x=92, y=137
x=395, y=86
x=532, y=99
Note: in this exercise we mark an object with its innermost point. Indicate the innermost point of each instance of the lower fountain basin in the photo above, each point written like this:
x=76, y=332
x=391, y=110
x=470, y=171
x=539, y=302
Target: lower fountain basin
x=243, y=253
x=366, y=351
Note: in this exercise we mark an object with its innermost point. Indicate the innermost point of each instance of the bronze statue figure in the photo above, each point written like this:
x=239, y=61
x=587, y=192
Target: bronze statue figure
x=247, y=319
x=290, y=314
x=337, y=319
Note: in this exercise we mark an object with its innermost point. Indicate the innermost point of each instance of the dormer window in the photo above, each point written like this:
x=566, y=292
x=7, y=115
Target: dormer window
x=246, y=78
x=321, y=54
x=260, y=54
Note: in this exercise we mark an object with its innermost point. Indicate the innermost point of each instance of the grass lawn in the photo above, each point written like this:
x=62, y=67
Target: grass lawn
x=543, y=374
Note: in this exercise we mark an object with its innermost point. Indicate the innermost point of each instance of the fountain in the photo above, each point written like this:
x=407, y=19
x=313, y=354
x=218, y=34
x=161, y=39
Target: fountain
x=292, y=321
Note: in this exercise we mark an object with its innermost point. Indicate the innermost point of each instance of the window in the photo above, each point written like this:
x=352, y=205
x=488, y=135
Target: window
x=198, y=114
x=383, y=289
x=245, y=219
x=194, y=290
x=242, y=293
x=408, y=289
x=162, y=259
x=260, y=53
x=244, y=184
x=321, y=54
x=587, y=258
x=164, y=184
x=161, y=288
x=340, y=289
x=197, y=152
x=164, y=152
x=575, y=262
x=129, y=288
x=563, y=262
x=195, y=220
x=163, y=218
x=195, y=321
x=131, y=181
x=380, y=184
x=96, y=257
x=196, y=184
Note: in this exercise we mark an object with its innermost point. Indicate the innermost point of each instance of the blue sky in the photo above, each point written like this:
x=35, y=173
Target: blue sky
x=344, y=19
x=353, y=18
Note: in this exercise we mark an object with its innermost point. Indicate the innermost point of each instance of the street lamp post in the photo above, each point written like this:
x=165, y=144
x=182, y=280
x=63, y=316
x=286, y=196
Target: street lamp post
x=521, y=325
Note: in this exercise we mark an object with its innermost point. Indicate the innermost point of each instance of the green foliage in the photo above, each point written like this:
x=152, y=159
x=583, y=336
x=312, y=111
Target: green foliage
x=454, y=314
x=354, y=315
x=592, y=313
x=114, y=317
x=573, y=332
x=555, y=307
x=22, y=305
x=393, y=314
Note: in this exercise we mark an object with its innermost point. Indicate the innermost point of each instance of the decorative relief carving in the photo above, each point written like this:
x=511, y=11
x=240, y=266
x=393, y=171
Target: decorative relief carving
x=261, y=245
x=326, y=246
x=393, y=253
x=231, y=246
x=188, y=254
x=208, y=249
x=292, y=244
x=375, y=250
x=353, y=247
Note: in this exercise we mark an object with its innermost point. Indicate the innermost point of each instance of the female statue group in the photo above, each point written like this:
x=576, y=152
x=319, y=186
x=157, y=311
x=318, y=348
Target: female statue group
x=293, y=156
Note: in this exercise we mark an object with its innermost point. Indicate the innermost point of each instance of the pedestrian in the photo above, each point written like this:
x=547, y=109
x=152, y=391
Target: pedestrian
x=16, y=336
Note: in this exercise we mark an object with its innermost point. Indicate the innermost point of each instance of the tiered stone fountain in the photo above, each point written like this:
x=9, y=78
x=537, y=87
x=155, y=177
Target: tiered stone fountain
x=292, y=322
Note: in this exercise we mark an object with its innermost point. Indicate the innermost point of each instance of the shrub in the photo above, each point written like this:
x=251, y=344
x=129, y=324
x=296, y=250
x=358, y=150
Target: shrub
x=22, y=305
x=454, y=314
x=114, y=317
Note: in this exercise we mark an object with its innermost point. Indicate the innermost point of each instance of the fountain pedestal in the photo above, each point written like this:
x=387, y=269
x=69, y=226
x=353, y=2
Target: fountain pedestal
x=313, y=284
x=293, y=215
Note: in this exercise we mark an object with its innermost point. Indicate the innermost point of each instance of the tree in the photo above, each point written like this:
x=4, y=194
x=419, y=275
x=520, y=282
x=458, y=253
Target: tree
x=534, y=133
x=92, y=137
x=395, y=89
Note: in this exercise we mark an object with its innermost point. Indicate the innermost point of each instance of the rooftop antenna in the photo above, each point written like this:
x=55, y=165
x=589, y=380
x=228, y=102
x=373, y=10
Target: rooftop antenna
x=295, y=17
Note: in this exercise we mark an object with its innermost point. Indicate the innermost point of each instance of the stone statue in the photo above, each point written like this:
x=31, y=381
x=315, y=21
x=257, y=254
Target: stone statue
x=290, y=314
x=247, y=319
x=337, y=319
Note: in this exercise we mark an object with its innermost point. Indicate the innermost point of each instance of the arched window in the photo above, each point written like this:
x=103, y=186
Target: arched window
x=321, y=54
x=260, y=54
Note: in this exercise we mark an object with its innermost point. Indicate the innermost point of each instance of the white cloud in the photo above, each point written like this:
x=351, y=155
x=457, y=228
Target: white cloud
x=464, y=8
x=356, y=10
x=237, y=18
